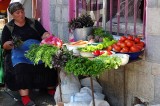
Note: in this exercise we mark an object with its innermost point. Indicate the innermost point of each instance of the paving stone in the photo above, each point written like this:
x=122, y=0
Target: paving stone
x=40, y=99
x=52, y=13
x=58, y=14
x=54, y=28
x=60, y=30
x=65, y=32
x=65, y=16
x=157, y=86
x=152, y=3
x=153, y=22
x=65, y=2
x=145, y=86
x=152, y=49
x=53, y=2
x=59, y=2
x=155, y=69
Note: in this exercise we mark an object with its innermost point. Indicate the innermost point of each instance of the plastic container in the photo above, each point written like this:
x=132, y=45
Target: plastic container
x=124, y=58
x=86, y=54
x=134, y=55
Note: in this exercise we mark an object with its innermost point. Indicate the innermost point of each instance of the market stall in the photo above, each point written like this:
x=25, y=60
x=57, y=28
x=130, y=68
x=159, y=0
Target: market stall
x=90, y=57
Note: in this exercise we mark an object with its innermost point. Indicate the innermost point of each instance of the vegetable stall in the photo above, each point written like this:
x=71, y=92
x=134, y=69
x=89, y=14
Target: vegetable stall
x=54, y=54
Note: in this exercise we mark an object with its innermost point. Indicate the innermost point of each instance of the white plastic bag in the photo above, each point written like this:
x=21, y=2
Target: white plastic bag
x=76, y=104
x=85, y=95
x=69, y=86
x=99, y=103
x=86, y=83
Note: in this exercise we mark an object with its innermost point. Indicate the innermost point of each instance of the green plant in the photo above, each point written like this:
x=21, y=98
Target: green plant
x=94, y=67
x=84, y=20
x=43, y=53
x=84, y=66
x=102, y=33
x=61, y=57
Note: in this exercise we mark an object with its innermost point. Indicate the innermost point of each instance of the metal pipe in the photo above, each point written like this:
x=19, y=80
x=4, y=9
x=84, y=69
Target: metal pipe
x=118, y=16
x=98, y=13
x=126, y=17
x=144, y=18
x=92, y=88
x=111, y=11
x=135, y=15
x=104, y=14
x=77, y=8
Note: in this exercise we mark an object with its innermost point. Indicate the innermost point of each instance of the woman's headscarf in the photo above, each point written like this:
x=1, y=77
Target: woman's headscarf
x=14, y=7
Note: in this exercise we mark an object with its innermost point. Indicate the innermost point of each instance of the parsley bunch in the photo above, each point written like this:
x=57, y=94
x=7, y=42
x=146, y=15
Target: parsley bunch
x=43, y=53
x=84, y=66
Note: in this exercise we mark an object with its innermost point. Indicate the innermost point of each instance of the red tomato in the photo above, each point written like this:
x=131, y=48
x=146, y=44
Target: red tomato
x=119, y=42
x=96, y=52
x=117, y=48
x=129, y=43
x=123, y=38
x=142, y=43
x=137, y=40
x=134, y=49
x=123, y=51
x=114, y=45
x=130, y=37
x=109, y=52
x=127, y=40
x=123, y=45
x=109, y=48
x=139, y=46
x=126, y=49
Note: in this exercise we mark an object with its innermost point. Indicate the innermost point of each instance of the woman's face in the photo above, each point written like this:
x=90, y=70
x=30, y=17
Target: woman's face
x=19, y=15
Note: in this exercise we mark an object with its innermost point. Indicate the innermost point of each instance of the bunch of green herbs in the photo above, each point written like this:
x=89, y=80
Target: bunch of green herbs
x=84, y=66
x=42, y=53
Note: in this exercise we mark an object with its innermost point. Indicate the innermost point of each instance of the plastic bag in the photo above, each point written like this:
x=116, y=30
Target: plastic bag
x=85, y=95
x=76, y=104
x=99, y=103
x=86, y=83
x=70, y=85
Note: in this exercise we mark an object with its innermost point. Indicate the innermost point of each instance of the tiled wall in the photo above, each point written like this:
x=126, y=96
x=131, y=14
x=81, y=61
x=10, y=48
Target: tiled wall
x=59, y=17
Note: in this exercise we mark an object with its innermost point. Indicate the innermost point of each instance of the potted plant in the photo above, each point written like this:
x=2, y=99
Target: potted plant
x=81, y=26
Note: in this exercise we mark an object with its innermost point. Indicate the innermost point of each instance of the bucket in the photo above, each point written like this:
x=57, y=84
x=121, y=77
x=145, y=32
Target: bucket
x=82, y=33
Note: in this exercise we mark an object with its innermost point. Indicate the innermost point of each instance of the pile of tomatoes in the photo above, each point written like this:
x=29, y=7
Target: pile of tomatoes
x=128, y=44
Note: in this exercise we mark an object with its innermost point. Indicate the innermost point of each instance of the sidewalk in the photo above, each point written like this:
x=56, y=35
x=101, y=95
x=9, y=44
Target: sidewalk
x=40, y=98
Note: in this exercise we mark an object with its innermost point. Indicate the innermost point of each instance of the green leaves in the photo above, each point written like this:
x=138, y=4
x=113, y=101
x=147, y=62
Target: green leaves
x=84, y=20
x=84, y=66
x=87, y=67
x=43, y=53
x=90, y=48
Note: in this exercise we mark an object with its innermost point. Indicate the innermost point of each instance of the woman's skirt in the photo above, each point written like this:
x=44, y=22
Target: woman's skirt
x=29, y=76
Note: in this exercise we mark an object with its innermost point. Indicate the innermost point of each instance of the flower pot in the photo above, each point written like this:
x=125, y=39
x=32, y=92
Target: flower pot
x=82, y=33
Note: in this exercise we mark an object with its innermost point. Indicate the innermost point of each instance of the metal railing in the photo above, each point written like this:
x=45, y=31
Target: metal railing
x=104, y=11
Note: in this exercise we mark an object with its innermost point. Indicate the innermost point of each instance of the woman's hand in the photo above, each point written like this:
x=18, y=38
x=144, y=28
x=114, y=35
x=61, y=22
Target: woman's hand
x=8, y=45
x=45, y=35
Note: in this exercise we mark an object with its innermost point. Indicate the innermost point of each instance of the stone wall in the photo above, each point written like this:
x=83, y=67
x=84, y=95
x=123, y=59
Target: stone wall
x=139, y=79
x=59, y=18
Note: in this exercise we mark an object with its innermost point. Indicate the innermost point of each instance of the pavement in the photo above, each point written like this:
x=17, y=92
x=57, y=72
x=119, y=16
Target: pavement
x=41, y=98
